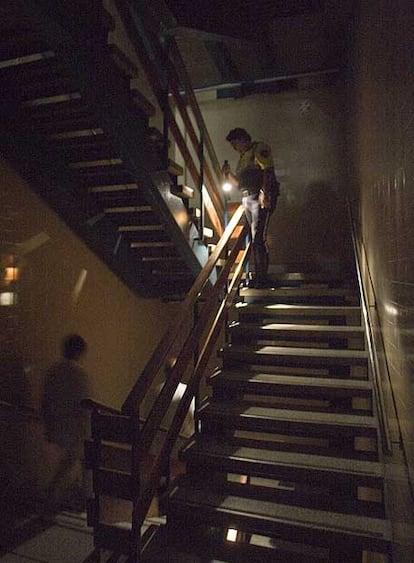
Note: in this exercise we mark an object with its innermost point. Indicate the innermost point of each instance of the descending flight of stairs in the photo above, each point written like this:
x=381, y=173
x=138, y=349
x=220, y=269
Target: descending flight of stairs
x=75, y=128
x=287, y=450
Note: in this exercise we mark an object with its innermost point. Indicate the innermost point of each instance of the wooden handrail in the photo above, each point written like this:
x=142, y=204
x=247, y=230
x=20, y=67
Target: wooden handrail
x=214, y=329
x=203, y=335
x=154, y=60
x=218, y=203
x=160, y=354
x=163, y=400
x=211, y=209
x=180, y=66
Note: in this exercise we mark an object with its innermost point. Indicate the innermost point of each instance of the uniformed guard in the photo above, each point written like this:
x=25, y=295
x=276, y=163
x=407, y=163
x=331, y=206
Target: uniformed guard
x=255, y=178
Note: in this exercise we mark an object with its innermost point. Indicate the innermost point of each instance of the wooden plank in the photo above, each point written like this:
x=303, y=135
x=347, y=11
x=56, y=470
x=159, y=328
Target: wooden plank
x=214, y=452
x=292, y=356
x=280, y=384
x=284, y=329
x=305, y=291
x=201, y=503
x=246, y=416
x=184, y=544
x=283, y=310
x=114, y=428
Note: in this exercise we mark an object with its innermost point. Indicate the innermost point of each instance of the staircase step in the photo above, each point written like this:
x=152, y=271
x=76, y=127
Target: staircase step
x=297, y=332
x=174, y=545
x=195, y=503
x=84, y=147
x=310, y=294
x=291, y=356
x=13, y=46
x=245, y=416
x=29, y=94
x=269, y=384
x=209, y=452
x=334, y=314
x=306, y=278
x=76, y=118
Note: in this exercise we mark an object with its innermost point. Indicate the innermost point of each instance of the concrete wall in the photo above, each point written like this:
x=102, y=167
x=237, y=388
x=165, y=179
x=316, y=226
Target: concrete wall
x=304, y=128
x=384, y=142
x=62, y=288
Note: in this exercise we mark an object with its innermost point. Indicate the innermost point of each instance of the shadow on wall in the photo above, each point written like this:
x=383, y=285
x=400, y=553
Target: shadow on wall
x=324, y=229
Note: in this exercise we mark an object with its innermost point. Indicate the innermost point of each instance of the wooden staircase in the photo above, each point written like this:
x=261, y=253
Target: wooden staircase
x=286, y=463
x=74, y=127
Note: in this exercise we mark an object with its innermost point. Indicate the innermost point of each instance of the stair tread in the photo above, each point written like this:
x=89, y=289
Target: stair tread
x=293, y=351
x=309, y=291
x=304, y=309
x=291, y=327
x=198, y=494
x=247, y=410
x=291, y=380
x=217, y=448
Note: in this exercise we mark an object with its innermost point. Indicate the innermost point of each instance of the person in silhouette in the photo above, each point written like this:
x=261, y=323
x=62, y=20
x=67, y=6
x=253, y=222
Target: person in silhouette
x=66, y=422
x=255, y=178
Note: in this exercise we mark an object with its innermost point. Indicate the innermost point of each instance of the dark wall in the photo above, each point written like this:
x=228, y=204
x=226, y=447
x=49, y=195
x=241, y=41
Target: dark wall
x=383, y=142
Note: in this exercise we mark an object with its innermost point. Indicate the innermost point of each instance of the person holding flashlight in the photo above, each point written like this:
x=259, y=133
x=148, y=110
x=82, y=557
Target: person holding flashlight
x=255, y=178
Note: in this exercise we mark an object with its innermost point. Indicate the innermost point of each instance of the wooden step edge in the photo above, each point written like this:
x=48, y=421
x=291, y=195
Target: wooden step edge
x=297, y=308
x=174, y=168
x=299, y=292
x=209, y=506
x=183, y=191
x=342, y=331
x=338, y=355
x=221, y=410
x=331, y=468
x=226, y=378
x=246, y=549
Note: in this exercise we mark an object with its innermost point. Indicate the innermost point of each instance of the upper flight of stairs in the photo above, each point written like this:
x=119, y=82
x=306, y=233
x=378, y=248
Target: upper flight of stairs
x=75, y=129
x=287, y=451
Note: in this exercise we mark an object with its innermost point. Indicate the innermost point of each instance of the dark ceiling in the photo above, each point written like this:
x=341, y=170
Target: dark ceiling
x=240, y=41
x=239, y=18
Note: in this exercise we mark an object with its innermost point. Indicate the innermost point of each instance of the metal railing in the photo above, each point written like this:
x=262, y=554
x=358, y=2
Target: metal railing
x=372, y=348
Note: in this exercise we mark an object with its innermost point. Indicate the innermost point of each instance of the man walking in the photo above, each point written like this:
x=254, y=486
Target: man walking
x=255, y=178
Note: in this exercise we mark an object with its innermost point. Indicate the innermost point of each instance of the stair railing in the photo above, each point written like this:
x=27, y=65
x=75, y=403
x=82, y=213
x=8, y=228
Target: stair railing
x=191, y=360
x=156, y=48
x=358, y=249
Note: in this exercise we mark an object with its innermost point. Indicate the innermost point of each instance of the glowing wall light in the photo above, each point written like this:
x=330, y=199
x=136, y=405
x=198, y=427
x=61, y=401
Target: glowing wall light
x=11, y=274
x=8, y=298
x=231, y=535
